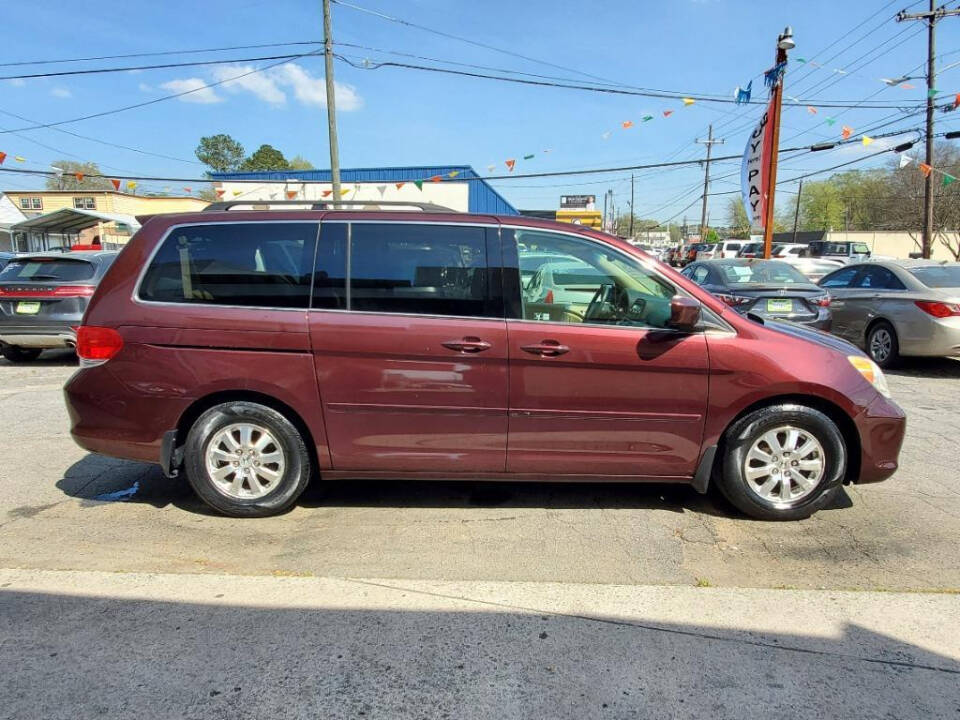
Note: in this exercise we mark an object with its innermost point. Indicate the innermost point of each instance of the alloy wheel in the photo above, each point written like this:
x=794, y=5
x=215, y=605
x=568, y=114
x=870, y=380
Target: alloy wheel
x=245, y=461
x=881, y=343
x=784, y=465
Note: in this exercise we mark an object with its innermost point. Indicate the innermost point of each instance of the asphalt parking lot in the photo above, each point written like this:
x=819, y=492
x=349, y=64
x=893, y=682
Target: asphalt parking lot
x=64, y=509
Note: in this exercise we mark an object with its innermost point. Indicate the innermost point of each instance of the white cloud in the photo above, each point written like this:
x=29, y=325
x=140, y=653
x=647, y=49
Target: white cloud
x=261, y=84
x=61, y=92
x=17, y=82
x=312, y=90
x=200, y=94
x=144, y=87
x=271, y=85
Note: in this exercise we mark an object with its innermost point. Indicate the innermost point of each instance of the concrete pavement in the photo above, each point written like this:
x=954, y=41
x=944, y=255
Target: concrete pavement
x=83, y=644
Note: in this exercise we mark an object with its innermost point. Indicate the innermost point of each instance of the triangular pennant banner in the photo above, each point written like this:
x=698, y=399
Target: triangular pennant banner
x=291, y=194
x=436, y=178
x=419, y=184
x=627, y=124
x=189, y=190
x=956, y=101
x=510, y=164
x=905, y=160
x=800, y=60
x=811, y=109
x=3, y=156
x=19, y=158
x=647, y=118
x=453, y=173
x=78, y=176
x=219, y=192
x=830, y=121
x=344, y=191
x=947, y=179
x=867, y=140
x=667, y=113
x=925, y=169
x=529, y=157
x=908, y=86
x=846, y=131
x=381, y=189
x=237, y=192
x=116, y=184
x=400, y=185
x=688, y=101
x=932, y=92
x=131, y=185
x=326, y=193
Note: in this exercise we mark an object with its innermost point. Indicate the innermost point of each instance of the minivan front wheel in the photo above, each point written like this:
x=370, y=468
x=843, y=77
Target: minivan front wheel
x=782, y=462
x=246, y=460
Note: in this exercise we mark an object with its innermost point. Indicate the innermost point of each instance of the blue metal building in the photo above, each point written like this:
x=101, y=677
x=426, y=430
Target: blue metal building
x=481, y=197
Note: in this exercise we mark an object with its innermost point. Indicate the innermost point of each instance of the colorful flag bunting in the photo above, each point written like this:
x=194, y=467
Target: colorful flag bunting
x=800, y=60
x=925, y=169
x=667, y=113
x=453, y=173
x=237, y=192
x=529, y=157
x=3, y=156
x=400, y=185
x=220, y=192
x=189, y=190
x=830, y=120
x=19, y=158
x=688, y=101
x=131, y=185
x=647, y=118
x=908, y=86
x=116, y=184
x=419, y=184
x=956, y=101
x=905, y=160
x=291, y=194
x=846, y=131
x=436, y=178
x=811, y=109
x=867, y=140
x=381, y=189
x=741, y=95
x=326, y=193
x=78, y=176
x=344, y=191
x=947, y=179
x=932, y=92
x=627, y=124
x=510, y=163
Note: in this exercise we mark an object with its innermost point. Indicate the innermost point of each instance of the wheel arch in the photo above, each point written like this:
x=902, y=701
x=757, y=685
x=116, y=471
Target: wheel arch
x=873, y=323
x=201, y=405
x=843, y=421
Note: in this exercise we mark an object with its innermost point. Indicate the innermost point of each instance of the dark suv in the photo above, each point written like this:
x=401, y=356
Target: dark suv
x=260, y=350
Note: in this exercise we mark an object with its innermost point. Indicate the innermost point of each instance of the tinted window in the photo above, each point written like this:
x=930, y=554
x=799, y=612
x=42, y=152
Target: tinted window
x=255, y=264
x=700, y=275
x=773, y=272
x=733, y=246
x=599, y=286
x=47, y=270
x=840, y=279
x=423, y=269
x=879, y=277
x=938, y=276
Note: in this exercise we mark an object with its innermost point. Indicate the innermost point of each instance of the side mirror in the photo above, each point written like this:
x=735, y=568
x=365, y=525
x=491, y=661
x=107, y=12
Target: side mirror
x=684, y=313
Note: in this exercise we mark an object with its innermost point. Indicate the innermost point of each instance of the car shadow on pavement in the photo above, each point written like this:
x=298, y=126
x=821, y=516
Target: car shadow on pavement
x=432, y=654
x=99, y=480
x=926, y=368
x=48, y=358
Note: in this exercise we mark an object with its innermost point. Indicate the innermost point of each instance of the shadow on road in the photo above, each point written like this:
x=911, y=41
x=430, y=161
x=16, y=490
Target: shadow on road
x=926, y=368
x=72, y=655
x=48, y=358
x=101, y=480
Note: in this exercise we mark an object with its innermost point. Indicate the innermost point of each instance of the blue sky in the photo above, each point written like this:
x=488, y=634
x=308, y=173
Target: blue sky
x=402, y=117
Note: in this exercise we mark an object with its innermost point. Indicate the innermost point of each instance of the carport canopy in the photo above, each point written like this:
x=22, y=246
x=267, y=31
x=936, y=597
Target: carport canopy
x=72, y=220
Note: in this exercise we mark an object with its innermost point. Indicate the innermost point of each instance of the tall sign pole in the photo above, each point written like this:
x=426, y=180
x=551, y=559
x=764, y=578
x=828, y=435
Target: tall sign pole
x=709, y=142
x=931, y=17
x=784, y=42
x=331, y=103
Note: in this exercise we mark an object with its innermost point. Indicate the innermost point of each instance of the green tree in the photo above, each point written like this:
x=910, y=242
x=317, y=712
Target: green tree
x=298, y=162
x=737, y=218
x=220, y=153
x=266, y=157
x=822, y=206
x=68, y=181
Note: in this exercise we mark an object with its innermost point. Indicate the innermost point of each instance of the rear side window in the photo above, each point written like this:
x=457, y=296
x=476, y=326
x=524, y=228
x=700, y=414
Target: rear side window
x=47, y=270
x=250, y=264
x=420, y=269
x=879, y=278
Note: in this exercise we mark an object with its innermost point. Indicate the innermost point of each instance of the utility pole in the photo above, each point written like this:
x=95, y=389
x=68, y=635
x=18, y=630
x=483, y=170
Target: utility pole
x=331, y=103
x=632, y=213
x=796, y=212
x=784, y=42
x=931, y=17
x=606, y=197
x=709, y=142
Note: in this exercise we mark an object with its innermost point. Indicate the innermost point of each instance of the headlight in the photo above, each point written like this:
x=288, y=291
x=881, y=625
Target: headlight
x=873, y=374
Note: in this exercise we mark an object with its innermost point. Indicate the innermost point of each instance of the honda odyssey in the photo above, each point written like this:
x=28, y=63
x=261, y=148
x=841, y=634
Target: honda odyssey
x=256, y=351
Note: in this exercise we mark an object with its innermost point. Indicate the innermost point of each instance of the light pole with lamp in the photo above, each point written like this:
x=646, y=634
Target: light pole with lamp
x=784, y=43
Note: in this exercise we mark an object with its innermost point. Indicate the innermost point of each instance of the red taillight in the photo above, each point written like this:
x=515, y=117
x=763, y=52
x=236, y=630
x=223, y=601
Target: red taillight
x=938, y=309
x=549, y=297
x=63, y=291
x=98, y=343
x=821, y=300
x=733, y=300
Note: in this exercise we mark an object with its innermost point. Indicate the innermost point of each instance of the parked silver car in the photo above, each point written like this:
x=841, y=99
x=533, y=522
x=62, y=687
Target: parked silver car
x=897, y=307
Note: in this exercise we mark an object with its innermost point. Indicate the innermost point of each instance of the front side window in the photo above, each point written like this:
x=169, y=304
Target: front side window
x=422, y=269
x=586, y=282
x=248, y=264
x=879, y=278
x=839, y=279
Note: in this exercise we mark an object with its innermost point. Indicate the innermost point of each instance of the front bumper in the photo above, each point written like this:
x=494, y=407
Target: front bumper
x=881, y=426
x=38, y=336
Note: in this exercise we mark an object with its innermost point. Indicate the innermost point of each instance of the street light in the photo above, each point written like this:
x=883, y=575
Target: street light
x=785, y=41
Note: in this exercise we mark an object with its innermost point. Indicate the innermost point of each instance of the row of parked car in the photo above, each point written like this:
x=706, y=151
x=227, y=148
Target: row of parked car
x=890, y=308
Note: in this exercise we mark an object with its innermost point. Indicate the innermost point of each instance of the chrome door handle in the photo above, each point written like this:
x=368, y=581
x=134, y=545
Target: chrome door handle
x=546, y=348
x=467, y=345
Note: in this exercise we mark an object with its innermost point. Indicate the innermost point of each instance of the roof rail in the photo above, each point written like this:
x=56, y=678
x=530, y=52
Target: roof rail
x=329, y=204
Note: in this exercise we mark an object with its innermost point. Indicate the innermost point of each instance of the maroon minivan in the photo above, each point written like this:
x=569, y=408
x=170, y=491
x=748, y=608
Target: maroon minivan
x=258, y=350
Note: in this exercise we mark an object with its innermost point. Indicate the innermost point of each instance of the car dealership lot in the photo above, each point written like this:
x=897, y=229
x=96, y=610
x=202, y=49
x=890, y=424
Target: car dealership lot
x=61, y=508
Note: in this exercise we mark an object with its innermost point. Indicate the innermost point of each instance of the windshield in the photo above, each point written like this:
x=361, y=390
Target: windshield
x=767, y=273
x=938, y=276
x=47, y=270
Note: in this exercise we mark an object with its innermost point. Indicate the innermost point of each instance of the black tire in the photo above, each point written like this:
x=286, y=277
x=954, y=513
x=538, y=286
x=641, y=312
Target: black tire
x=293, y=480
x=17, y=354
x=744, y=432
x=885, y=354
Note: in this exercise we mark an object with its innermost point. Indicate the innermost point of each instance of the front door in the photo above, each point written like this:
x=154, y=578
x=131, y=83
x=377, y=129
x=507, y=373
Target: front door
x=599, y=385
x=409, y=343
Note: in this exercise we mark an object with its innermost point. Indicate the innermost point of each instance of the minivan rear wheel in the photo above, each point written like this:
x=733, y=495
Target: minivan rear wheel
x=782, y=462
x=16, y=354
x=246, y=460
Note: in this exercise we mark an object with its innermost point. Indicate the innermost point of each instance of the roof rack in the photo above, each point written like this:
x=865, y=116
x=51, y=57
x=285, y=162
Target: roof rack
x=328, y=204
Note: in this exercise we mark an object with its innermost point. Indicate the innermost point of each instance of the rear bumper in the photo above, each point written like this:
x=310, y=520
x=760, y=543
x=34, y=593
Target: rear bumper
x=38, y=336
x=939, y=338
x=882, y=427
